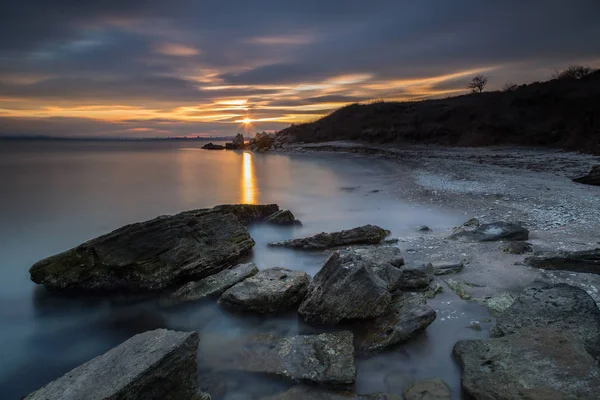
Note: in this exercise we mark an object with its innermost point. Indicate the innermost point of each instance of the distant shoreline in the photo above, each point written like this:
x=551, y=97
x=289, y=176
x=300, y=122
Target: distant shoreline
x=113, y=139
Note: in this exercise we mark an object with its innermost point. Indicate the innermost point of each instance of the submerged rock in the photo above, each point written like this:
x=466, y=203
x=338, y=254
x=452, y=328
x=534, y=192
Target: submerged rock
x=427, y=389
x=517, y=248
x=447, y=267
x=458, y=287
x=407, y=315
x=270, y=291
x=212, y=146
x=353, y=284
x=282, y=217
x=367, y=234
x=492, y=232
x=154, y=365
x=530, y=362
x=327, y=358
x=212, y=286
x=592, y=178
x=497, y=303
x=149, y=256
x=313, y=393
x=587, y=261
x=562, y=307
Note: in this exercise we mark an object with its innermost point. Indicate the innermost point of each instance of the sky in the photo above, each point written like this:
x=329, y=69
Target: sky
x=160, y=68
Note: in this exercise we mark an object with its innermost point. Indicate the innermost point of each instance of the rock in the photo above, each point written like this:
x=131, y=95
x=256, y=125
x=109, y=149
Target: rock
x=416, y=277
x=434, y=289
x=472, y=223
x=211, y=146
x=407, y=315
x=261, y=142
x=212, y=286
x=447, y=267
x=592, y=178
x=238, y=142
x=492, y=232
x=534, y=359
x=270, y=291
x=353, y=284
x=517, y=248
x=327, y=358
x=149, y=256
x=427, y=389
x=458, y=288
x=390, y=241
x=497, y=303
x=159, y=364
x=367, y=234
x=282, y=217
x=423, y=228
x=587, y=261
x=562, y=307
x=248, y=213
x=313, y=393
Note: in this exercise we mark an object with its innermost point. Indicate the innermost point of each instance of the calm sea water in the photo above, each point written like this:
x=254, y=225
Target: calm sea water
x=55, y=195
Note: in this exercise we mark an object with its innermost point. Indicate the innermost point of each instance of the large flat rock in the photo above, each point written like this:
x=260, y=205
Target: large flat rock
x=367, y=234
x=586, y=261
x=313, y=393
x=154, y=365
x=529, y=364
x=562, y=307
x=152, y=255
x=269, y=291
x=327, y=358
x=492, y=232
x=592, y=178
x=353, y=284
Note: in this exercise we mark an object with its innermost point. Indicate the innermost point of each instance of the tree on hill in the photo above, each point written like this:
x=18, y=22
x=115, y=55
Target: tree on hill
x=510, y=87
x=572, y=72
x=478, y=83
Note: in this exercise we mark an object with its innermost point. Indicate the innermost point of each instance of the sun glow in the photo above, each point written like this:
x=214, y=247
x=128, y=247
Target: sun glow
x=246, y=121
x=247, y=182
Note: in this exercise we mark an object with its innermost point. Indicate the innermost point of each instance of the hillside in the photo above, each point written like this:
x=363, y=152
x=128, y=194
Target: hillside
x=558, y=113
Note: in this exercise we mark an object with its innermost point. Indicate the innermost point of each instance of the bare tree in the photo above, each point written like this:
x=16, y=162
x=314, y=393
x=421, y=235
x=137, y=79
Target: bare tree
x=478, y=83
x=572, y=72
x=510, y=87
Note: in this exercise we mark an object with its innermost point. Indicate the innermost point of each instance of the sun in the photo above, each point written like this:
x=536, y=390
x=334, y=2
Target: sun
x=246, y=121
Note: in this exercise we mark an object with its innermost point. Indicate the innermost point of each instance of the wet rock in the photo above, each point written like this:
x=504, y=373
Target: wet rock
x=238, y=143
x=562, y=307
x=458, y=287
x=423, y=228
x=261, y=142
x=415, y=277
x=406, y=316
x=427, y=389
x=270, y=291
x=282, y=217
x=327, y=358
x=247, y=213
x=471, y=223
x=534, y=359
x=497, y=303
x=391, y=241
x=592, y=178
x=447, y=267
x=367, y=234
x=433, y=290
x=587, y=261
x=492, y=232
x=158, y=365
x=313, y=393
x=353, y=284
x=151, y=255
x=212, y=146
x=212, y=286
x=517, y=248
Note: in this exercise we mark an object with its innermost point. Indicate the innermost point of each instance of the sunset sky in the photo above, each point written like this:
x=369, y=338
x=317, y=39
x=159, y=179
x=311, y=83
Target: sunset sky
x=133, y=68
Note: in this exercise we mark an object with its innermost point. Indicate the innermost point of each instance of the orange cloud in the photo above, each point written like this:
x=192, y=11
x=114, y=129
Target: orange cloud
x=176, y=50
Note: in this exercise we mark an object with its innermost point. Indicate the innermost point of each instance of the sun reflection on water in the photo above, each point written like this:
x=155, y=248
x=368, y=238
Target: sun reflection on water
x=247, y=182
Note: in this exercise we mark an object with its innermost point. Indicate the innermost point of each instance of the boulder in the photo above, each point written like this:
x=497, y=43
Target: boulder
x=262, y=141
x=211, y=146
x=367, y=234
x=587, y=261
x=530, y=362
x=447, y=267
x=492, y=232
x=407, y=315
x=159, y=364
x=592, y=178
x=427, y=389
x=282, y=217
x=248, y=213
x=517, y=248
x=353, y=284
x=149, y=256
x=314, y=393
x=327, y=358
x=415, y=277
x=212, y=286
x=270, y=291
x=562, y=307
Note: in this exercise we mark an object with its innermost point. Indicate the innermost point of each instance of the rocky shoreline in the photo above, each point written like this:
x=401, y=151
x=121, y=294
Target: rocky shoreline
x=365, y=299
